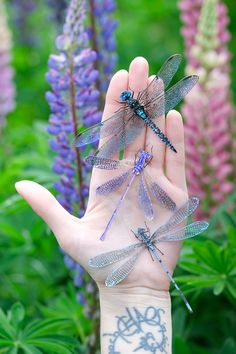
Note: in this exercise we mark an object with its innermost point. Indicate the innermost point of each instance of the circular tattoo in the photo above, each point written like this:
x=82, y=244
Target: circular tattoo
x=143, y=330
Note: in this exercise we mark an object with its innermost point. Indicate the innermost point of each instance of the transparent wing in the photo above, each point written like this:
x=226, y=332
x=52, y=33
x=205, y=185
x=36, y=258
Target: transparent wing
x=125, y=137
x=107, y=164
x=179, y=216
x=159, y=105
x=185, y=232
x=113, y=184
x=144, y=198
x=162, y=79
x=160, y=195
x=104, y=129
x=122, y=272
x=169, y=69
x=105, y=259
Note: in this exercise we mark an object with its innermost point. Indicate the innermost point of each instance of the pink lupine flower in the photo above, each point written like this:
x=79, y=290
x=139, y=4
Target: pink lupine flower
x=208, y=110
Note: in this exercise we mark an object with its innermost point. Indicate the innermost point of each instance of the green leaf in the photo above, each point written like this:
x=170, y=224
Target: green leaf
x=30, y=349
x=229, y=346
x=218, y=288
x=42, y=327
x=180, y=346
x=209, y=254
x=192, y=267
x=232, y=289
x=55, y=343
x=13, y=350
x=17, y=314
x=179, y=321
x=5, y=326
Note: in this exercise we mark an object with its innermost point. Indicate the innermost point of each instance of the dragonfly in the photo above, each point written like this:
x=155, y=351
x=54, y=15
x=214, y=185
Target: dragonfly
x=171, y=231
x=124, y=126
x=135, y=168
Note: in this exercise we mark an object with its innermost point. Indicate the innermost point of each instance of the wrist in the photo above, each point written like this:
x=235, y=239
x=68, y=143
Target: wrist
x=135, y=318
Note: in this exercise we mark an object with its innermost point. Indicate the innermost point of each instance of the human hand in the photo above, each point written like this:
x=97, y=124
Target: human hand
x=80, y=237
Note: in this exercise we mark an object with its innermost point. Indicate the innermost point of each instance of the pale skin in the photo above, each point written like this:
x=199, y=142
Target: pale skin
x=147, y=285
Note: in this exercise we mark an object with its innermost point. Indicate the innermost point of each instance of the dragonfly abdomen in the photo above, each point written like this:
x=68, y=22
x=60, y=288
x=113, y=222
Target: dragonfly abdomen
x=159, y=133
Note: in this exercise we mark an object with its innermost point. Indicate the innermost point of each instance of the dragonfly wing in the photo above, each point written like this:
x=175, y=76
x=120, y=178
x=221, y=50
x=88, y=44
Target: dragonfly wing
x=154, y=89
x=107, y=164
x=105, y=259
x=113, y=184
x=144, y=198
x=185, y=232
x=125, y=137
x=160, y=195
x=179, y=216
x=122, y=272
x=102, y=162
x=103, y=129
x=161, y=80
x=169, y=69
x=162, y=104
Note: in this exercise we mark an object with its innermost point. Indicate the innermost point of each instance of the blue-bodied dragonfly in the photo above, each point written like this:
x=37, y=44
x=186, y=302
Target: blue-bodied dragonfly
x=136, y=113
x=171, y=231
x=135, y=168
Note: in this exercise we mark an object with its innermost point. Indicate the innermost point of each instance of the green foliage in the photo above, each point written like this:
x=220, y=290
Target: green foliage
x=17, y=335
x=208, y=276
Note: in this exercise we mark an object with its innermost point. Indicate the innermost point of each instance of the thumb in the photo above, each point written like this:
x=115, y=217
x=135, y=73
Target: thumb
x=47, y=207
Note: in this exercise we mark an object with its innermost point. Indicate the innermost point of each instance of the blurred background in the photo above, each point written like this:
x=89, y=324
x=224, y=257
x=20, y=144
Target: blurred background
x=43, y=65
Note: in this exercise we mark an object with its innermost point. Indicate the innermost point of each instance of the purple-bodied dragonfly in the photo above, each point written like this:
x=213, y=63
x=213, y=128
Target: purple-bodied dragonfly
x=137, y=113
x=171, y=231
x=136, y=168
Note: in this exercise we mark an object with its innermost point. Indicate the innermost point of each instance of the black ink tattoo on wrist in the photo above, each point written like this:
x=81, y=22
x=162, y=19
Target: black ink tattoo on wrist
x=143, y=330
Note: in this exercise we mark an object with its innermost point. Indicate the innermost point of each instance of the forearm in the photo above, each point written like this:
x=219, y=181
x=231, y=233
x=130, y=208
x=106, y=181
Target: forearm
x=135, y=320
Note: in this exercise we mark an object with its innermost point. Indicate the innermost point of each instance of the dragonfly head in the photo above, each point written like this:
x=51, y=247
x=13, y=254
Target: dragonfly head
x=141, y=231
x=125, y=95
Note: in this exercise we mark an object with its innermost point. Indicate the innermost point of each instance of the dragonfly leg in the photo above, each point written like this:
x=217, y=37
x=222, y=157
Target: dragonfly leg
x=158, y=250
x=148, y=160
x=120, y=102
x=151, y=254
x=139, y=94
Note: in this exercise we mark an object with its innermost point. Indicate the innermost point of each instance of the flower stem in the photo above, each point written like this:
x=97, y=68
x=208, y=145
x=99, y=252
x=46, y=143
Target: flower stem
x=75, y=124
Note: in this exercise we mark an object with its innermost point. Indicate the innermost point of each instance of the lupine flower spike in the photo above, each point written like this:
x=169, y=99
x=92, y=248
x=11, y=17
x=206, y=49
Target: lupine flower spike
x=208, y=110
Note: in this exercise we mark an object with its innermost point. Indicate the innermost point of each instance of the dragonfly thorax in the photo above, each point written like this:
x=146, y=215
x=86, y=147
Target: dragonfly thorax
x=144, y=236
x=142, y=159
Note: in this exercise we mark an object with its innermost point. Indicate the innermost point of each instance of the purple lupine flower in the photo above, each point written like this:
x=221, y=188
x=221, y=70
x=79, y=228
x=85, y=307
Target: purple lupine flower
x=75, y=76
x=208, y=110
x=7, y=89
x=101, y=33
x=22, y=10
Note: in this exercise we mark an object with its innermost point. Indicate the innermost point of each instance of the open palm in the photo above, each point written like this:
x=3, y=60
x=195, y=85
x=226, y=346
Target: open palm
x=80, y=237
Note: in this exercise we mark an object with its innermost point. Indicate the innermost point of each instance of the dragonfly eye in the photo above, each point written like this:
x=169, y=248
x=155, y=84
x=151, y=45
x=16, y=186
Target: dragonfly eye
x=125, y=95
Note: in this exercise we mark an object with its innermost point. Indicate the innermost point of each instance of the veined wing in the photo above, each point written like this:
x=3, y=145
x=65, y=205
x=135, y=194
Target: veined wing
x=113, y=184
x=179, y=216
x=161, y=80
x=159, y=105
x=160, y=195
x=144, y=198
x=122, y=272
x=185, y=232
x=122, y=139
x=105, y=259
x=169, y=69
x=104, y=129
x=107, y=164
